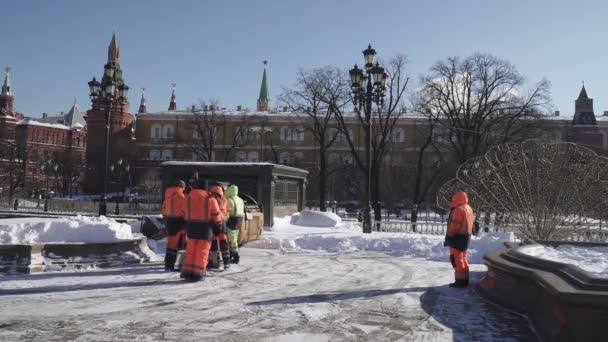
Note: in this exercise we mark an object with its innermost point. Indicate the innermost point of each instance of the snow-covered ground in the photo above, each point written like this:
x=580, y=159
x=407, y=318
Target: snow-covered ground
x=65, y=229
x=310, y=284
x=591, y=259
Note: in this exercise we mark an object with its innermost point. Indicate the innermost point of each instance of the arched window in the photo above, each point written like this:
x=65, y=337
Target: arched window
x=168, y=131
x=154, y=154
x=284, y=158
x=155, y=131
x=253, y=157
x=167, y=155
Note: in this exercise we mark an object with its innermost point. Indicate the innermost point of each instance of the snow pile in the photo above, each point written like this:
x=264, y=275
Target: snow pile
x=67, y=229
x=317, y=219
x=591, y=259
x=348, y=237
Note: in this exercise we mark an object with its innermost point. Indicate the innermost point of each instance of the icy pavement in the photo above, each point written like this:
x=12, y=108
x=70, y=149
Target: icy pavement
x=270, y=296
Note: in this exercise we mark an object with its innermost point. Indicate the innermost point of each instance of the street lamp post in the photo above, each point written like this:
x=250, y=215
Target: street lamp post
x=368, y=87
x=122, y=171
x=107, y=93
x=47, y=166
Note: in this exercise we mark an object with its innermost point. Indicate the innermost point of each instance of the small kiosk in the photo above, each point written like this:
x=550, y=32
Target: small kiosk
x=279, y=190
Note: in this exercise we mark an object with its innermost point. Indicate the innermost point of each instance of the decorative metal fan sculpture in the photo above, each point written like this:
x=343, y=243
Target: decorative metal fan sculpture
x=547, y=191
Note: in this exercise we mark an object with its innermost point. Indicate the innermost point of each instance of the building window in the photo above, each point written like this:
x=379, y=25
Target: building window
x=292, y=134
x=155, y=132
x=167, y=155
x=398, y=135
x=284, y=158
x=298, y=156
x=241, y=156
x=154, y=154
x=168, y=131
x=253, y=157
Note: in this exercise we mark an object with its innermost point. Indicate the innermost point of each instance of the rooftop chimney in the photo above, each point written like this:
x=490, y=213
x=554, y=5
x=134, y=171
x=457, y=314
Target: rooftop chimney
x=206, y=108
x=45, y=115
x=606, y=113
x=193, y=108
x=238, y=108
x=285, y=109
x=556, y=113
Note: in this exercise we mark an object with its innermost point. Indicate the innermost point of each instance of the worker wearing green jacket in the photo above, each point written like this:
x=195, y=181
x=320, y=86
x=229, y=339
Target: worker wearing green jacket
x=236, y=212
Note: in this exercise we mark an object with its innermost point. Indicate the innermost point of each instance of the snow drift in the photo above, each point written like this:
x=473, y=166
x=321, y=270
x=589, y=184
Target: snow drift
x=347, y=237
x=67, y=229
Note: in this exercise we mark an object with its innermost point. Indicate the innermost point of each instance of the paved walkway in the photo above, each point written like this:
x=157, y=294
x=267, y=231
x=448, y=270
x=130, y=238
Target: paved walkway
x=270, y=296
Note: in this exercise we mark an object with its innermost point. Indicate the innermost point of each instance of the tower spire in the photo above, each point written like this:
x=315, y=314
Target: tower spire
x=142, y=103
x=6, y=96
x=113, y=50
x=6, y=87
x=173, y=104
x=264, y=98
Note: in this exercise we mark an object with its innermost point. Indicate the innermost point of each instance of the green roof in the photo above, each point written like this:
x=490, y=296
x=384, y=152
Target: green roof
x=264, y=88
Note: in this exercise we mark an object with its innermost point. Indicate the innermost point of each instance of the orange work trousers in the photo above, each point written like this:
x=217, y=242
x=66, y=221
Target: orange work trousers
x=460, y=263
x=177, y=241
x=197, y=255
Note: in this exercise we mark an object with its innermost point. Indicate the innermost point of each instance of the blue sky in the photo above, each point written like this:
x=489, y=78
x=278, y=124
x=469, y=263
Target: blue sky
x=215, y=49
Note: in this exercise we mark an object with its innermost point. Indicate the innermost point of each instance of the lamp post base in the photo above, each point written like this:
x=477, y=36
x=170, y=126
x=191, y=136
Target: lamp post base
x=367, y=219
x=117, y=209
x=103, y=209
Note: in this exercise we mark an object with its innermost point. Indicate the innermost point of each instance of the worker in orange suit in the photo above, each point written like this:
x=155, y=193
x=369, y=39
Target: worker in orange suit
x=460, y=227
x=220, y=238
x=203, y=216
x=173, y=212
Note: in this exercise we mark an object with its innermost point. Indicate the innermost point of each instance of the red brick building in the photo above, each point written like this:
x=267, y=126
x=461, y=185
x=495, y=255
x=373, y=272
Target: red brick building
x=26, y=144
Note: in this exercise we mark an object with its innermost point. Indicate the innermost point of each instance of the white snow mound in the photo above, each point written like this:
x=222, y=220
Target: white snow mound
x=317, y=219
x=67, y=229
x=347, y=236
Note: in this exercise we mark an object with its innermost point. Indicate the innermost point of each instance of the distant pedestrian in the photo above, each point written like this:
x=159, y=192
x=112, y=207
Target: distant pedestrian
x=460, y=227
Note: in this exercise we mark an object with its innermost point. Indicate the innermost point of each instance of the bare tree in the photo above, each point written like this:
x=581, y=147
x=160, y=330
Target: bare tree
x=479, y=101
x=210, y=125
x=313, y=98
x=71, y=166
x=206, y=127
x=384, y=120
x=13, y=162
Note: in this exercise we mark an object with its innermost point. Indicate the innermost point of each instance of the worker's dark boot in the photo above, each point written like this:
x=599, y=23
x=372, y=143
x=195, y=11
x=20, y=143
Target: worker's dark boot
x=235, y=258
x=460, y=283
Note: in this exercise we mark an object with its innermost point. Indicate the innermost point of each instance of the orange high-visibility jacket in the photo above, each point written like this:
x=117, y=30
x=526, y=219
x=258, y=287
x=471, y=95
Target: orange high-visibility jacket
x=201, y=206
x=174, y=204
x=224, y=208
x=461, y=221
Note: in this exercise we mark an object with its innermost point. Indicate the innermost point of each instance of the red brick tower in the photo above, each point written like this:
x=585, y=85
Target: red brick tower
x=8, y=120
x=585, y=129
x=121, y=144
